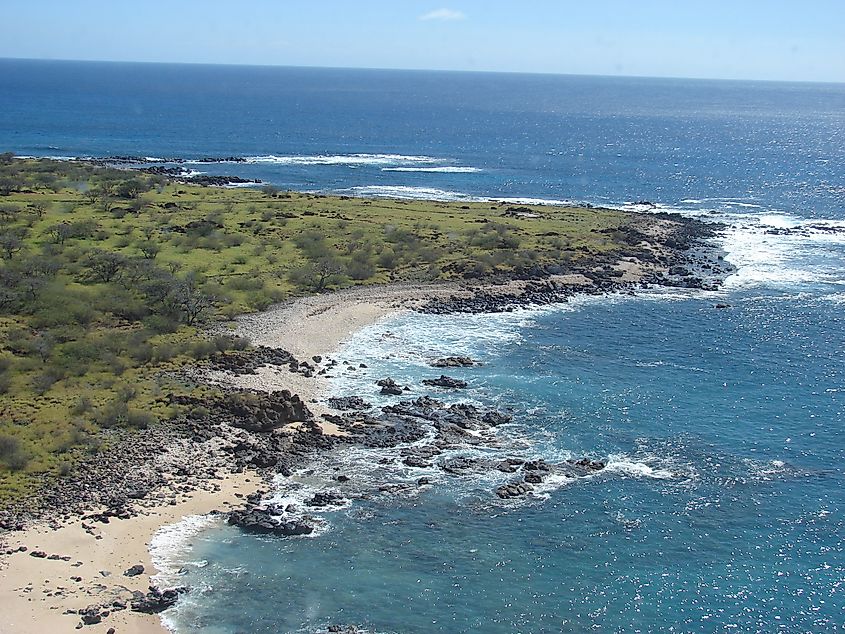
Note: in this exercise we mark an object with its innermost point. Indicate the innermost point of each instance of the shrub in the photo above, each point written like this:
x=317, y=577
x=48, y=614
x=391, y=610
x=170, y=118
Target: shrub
x=12, y=453
x=164, y=352
x=140, y=419
x=161, y=324
x=201, y=349
x=82, y=405
x=223, y=342
x=113, y=414
x=360, y=270
x=199, y=412
x=142, y=353
x=149, y=249
x=252, y=282
x=388, y=259
x=42, y=383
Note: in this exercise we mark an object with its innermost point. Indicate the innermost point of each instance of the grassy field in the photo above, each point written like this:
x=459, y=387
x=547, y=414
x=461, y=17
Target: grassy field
x=108, y=279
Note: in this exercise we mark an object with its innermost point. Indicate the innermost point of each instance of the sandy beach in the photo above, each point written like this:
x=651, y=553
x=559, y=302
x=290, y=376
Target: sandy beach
x=36, y=592
x=317, y=326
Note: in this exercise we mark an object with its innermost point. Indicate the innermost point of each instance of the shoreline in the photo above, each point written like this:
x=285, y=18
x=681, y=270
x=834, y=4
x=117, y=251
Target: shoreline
x=38, y=591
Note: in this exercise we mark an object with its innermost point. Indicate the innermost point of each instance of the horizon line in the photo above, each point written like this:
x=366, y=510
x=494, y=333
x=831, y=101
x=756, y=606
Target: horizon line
x=423, y=70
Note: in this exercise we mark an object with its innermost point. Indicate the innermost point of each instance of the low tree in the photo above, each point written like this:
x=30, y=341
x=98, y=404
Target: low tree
x=40, y=208
x=104, y=266
x=191, y=302
x=318, y=275
x=149, y=249
x=10, y=244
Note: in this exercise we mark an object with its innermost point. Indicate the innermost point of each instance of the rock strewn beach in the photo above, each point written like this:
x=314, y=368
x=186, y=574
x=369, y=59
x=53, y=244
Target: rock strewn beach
x=223, y=453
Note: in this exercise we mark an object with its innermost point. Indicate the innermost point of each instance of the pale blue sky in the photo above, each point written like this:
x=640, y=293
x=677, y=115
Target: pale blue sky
x=733, y=39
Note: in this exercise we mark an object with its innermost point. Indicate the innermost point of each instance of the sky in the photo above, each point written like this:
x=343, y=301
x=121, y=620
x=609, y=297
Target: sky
x=726, y=39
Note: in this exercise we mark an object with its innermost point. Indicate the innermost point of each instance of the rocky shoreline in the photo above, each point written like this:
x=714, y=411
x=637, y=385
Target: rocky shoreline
x=275, y=433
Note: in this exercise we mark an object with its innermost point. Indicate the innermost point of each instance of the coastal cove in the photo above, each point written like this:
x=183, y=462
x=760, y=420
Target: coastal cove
x=269, y=407
x=391, y=352
x=178, y=476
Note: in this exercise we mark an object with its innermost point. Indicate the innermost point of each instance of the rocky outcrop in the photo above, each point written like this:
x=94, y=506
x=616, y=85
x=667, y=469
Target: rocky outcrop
x=262, y=412
x=446, y=382
x=460, y=415
x=390, y=387
x=269, y=521
x=513, y=490
x=326, y=498
x=453, y=362
x=345, y=403
x=248, y=361
x=156, y=600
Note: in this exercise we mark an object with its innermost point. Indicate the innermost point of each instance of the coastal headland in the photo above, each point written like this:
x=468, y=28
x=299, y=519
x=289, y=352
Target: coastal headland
x=166, y=348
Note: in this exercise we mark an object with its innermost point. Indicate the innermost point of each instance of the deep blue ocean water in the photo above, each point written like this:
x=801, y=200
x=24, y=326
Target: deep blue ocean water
x=722, y=505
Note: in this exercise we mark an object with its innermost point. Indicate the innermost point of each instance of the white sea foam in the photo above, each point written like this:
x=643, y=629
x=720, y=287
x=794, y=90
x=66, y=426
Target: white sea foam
x=240, y=185
x=408, y=192
x=170, y=547
x=58, y=157
x=431, y=193
x=403, y=347
x=836, y=298
x=532, y=201
x=436, y=170
x=625, y=465
x=341, y=159
x=773, y=249
x=769, y=248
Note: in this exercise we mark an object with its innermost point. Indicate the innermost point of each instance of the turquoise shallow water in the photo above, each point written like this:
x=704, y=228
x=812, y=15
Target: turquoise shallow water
x=721, y=508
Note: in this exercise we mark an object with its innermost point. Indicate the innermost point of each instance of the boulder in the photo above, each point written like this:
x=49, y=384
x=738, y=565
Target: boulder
x=513, y=490
x=262, y=412
x=446, y=381
x=390, y=387
x=262, y=521
x=156, y=600
x=326, y=498
x=453, y=362
x=345, y=403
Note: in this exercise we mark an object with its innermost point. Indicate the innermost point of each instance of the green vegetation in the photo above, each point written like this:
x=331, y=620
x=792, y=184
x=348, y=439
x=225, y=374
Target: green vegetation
x=107, y=278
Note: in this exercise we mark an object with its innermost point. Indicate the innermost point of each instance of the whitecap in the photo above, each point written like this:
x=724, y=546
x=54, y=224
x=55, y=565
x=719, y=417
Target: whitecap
x=621, y=463
x=436, y=170
x=339, y=159
x=533, y=201
x=775, y=249
x=240, y=185
x=408, y=192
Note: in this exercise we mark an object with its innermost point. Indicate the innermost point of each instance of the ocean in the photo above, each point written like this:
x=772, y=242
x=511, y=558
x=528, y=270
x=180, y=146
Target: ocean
x=721, y=508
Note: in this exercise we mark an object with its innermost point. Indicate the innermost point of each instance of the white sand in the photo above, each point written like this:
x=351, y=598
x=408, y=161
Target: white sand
x=34, y=593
